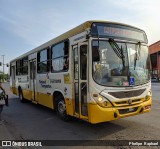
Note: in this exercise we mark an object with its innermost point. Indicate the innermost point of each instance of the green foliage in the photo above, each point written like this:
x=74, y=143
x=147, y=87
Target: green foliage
x=4, y=77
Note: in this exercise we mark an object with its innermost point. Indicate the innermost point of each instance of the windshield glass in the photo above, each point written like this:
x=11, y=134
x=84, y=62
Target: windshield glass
x=139, y=60
x=127, y=65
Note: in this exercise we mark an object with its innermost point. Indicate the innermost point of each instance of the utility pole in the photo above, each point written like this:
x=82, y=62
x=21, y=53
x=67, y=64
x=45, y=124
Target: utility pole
x=3, y=66
x=3, y=63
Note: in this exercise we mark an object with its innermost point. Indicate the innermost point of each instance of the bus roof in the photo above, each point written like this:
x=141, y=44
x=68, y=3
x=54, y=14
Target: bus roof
x=67, y=35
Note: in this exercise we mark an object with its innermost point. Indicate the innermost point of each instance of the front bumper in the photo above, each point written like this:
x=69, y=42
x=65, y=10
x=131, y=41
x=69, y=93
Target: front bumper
x=99, y=114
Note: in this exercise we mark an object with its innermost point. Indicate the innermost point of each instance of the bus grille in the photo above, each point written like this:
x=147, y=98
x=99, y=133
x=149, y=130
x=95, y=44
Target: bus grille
x=129, y=110
x=126, y=102
x=127, y=94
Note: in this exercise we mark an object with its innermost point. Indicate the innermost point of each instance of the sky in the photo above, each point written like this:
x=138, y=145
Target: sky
x=26, y=24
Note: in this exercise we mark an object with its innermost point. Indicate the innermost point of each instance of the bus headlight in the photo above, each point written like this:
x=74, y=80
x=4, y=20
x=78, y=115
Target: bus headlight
x=102, y=101
x=148, y=96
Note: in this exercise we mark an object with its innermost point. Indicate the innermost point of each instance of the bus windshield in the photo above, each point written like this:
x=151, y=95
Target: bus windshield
x=128, y=65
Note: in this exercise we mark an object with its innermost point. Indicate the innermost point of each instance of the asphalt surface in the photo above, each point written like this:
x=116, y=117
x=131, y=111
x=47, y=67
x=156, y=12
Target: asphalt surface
x=27, y=121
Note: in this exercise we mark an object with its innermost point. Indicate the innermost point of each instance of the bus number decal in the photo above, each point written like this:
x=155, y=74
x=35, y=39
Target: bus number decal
x=55, y=81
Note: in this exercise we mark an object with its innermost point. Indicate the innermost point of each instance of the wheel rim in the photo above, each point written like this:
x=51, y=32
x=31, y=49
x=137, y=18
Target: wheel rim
x=61, y=108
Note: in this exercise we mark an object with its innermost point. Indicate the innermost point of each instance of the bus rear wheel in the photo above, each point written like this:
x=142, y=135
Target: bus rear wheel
x=61, y=108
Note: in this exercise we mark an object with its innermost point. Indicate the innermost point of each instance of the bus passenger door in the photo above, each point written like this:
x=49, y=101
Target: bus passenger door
x=80, y=54
x=33, y=79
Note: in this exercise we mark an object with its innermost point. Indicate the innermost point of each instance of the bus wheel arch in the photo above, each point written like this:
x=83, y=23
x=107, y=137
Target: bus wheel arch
x=60, y=105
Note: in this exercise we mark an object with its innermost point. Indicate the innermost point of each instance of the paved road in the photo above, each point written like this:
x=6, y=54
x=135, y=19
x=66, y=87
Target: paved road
x=29, y=121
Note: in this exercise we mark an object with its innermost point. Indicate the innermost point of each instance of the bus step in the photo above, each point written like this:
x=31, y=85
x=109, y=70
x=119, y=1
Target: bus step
x=35, y=102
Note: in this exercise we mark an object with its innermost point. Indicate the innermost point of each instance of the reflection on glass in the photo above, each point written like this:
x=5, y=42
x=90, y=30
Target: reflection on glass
x=76, y=97
x=84, y=98
x=76, y=63
x=43, y=55
x=60, y=59
x=58, y=50
x=140, y=71
x=112, y=70
x=42, y=67
x=83, y=62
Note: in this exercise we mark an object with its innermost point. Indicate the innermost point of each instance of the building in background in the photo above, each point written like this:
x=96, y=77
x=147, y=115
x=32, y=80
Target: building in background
x=155, y=59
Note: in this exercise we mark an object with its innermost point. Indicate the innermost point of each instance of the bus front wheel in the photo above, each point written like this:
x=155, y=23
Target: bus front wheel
x=61, y=108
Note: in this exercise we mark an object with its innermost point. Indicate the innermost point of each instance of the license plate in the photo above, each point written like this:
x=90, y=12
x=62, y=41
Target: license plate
x=130, y=109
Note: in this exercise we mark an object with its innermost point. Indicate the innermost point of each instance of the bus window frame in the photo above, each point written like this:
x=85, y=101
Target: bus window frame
x=21, y=66
x=47, y=60
x=67, y=56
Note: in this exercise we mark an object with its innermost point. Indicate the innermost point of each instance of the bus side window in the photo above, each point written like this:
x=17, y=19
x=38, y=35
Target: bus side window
x=43, y=61
x=59, y=57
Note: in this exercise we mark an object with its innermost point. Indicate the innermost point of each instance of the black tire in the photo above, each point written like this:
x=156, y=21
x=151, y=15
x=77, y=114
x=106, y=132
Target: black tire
x=22, y=100
x=61, y=108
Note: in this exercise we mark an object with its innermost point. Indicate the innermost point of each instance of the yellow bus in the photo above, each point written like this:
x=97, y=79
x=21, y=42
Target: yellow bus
x=98, y=71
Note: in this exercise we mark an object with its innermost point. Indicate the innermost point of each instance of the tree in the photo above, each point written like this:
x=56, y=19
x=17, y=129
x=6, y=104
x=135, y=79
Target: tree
x=4, y=77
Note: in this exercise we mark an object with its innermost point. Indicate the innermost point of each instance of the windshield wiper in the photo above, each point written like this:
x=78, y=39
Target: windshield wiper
x=136, y=56
x=117, y=50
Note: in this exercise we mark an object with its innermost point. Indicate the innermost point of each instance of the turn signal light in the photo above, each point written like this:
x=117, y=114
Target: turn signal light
x=147, y=107
x=95, y=95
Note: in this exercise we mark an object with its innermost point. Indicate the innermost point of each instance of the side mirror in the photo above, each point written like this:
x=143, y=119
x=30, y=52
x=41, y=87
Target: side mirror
x=7, y=65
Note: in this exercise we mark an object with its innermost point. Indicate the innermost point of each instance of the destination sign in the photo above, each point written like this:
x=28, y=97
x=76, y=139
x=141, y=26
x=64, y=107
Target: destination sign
x=118, y=31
